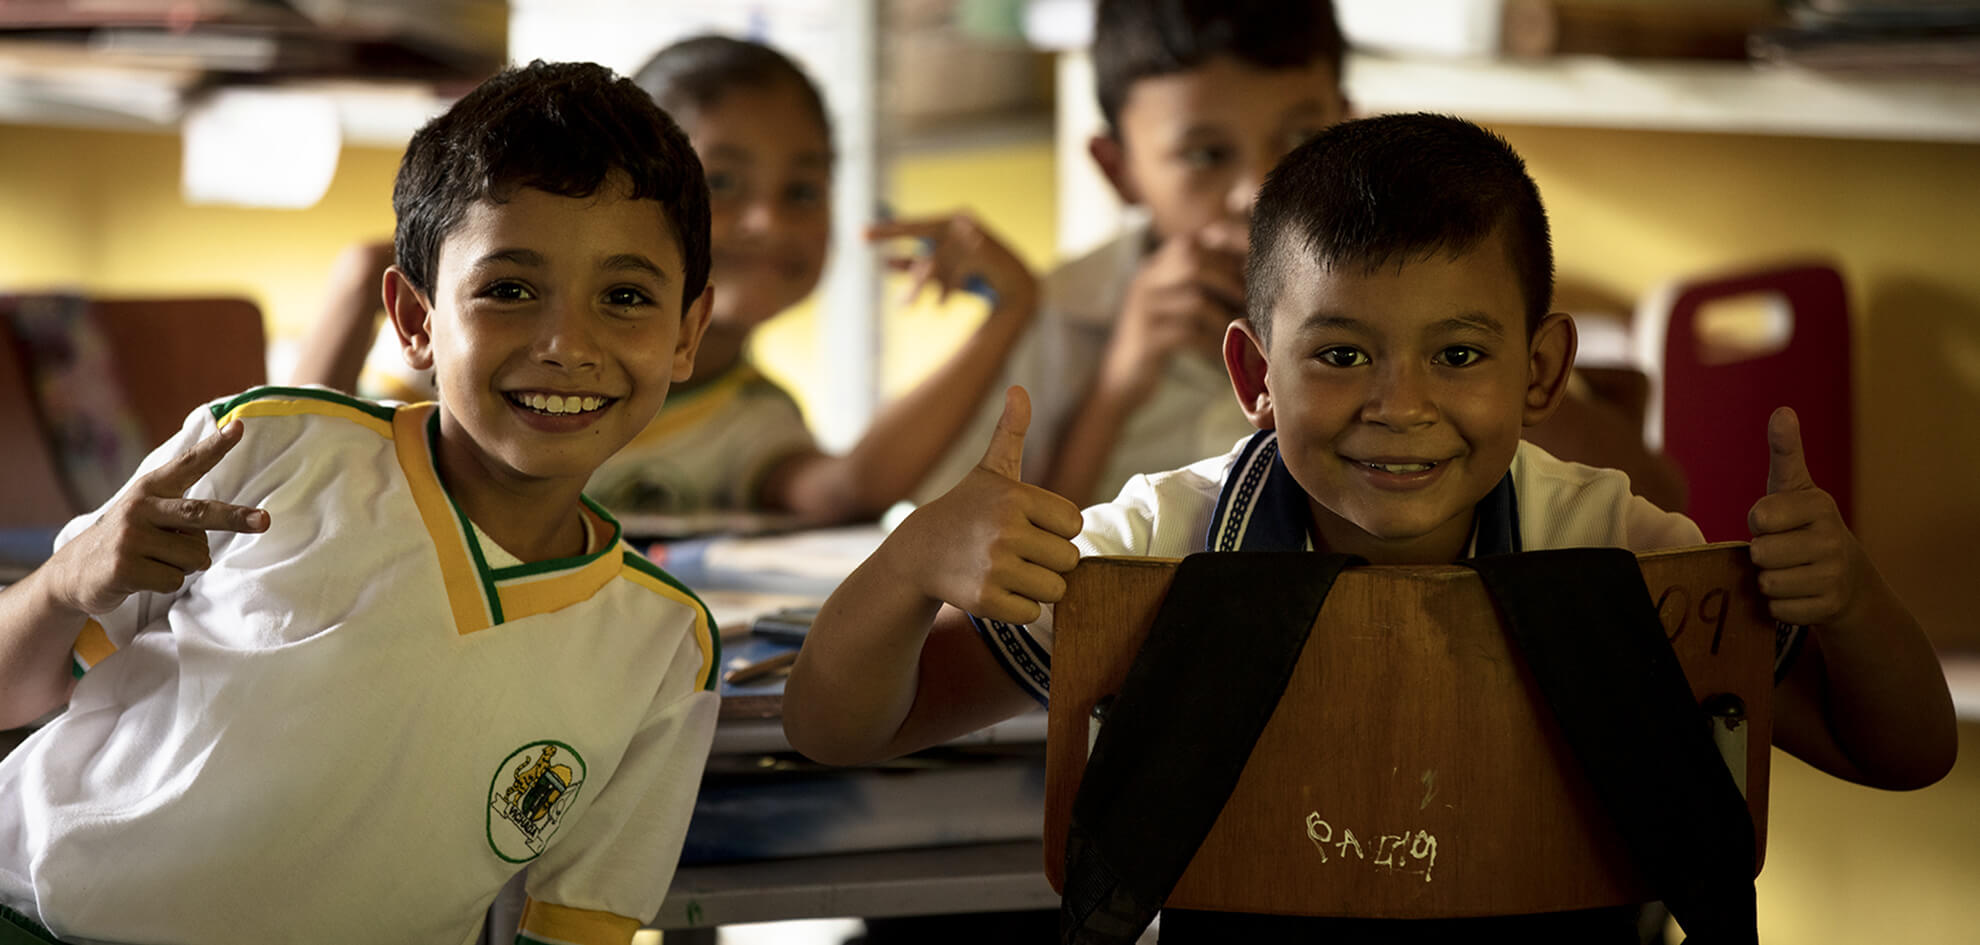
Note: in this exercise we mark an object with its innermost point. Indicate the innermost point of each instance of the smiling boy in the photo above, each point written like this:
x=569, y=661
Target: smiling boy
x=342, y=669
x=1396, y=344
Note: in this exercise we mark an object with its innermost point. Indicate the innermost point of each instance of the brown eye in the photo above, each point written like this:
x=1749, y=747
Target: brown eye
x=1460, y=356
x=508, y=291
x=627, y=297
x=1342, y=356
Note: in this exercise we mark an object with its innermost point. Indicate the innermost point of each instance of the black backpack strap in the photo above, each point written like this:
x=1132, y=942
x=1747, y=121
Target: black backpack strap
x=1585, y=625
x=1170, y=758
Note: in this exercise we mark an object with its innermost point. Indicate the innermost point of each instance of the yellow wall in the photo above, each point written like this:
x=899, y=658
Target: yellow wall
x=1902, y=219
x=111, y=202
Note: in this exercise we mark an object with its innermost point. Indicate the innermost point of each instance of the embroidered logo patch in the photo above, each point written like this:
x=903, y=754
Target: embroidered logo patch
x=532, y=790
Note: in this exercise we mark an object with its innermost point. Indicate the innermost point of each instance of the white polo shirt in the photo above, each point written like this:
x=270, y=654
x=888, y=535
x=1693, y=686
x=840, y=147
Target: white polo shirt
x=352, y=727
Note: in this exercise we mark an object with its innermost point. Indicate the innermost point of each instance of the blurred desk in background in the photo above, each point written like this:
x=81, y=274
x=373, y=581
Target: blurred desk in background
x=774, y=836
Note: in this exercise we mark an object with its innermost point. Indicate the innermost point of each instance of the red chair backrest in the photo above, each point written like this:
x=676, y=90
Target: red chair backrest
x=1714, y=414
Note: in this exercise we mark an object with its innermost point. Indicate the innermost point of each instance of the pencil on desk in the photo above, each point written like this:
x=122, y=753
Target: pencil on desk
x=761, y=668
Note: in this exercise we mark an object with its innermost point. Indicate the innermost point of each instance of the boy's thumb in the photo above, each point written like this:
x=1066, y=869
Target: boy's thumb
x=1787, y=467
x=1005, y=457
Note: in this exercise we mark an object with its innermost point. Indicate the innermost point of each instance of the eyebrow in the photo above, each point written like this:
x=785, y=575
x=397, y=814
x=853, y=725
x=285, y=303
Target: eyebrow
x=740, y=155
x=1476, y=321
x=635, y=262
x=517, y=256
x=619, y=262
x=1468, y=321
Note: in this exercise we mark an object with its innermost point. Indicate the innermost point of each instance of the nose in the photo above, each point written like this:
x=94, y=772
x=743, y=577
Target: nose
x=1251, y=176
x=565, y=336
x=758, y=216
x=1400, y=398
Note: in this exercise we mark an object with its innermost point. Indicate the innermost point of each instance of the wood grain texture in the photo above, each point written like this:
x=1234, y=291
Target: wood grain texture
x=1411, y=770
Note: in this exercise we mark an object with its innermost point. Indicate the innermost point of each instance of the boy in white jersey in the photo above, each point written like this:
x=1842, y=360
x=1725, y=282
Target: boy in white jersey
x=340, y=670
x=1397, y=341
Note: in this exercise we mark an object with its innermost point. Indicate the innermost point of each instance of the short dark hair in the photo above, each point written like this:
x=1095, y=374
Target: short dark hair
x=1140, y=39
x=563, y=128
x=694, y=73
x=1395, y=189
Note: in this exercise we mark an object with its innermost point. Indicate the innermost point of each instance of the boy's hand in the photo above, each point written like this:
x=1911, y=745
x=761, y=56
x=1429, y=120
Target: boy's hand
x=994, y=546
x=152, y=536
x=1183, y=297
x=957, y=252
x=1811, y=568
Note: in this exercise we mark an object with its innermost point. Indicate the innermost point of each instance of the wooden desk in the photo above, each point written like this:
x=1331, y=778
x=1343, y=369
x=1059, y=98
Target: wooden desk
x=989, y=877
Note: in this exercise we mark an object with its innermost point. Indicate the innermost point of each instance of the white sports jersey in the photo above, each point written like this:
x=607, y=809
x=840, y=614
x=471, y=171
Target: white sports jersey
x=1167, y=515
x=351, y=727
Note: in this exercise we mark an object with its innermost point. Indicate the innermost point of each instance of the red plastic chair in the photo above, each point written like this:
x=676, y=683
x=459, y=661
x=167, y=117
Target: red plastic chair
x=1709, y=407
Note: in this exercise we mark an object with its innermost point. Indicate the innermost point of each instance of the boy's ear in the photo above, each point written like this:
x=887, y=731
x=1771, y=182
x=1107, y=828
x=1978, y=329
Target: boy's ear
x=1111, y=155
x=1548, y=364
x=1244, y=358
x=694, y=322
x=408, y=312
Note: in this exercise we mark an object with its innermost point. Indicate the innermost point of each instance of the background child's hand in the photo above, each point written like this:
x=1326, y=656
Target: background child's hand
x=1811, y=567
x=994, y=546
x=1183, y=297
x=151, y=537
x=957, y=252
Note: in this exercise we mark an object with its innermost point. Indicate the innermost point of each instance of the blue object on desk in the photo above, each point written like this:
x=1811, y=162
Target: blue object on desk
x=26, y=546
x=789, y=625
x=942, y=801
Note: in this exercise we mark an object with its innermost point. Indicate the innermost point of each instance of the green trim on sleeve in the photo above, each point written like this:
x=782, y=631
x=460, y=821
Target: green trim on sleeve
x=645, y=565
x=379, y=411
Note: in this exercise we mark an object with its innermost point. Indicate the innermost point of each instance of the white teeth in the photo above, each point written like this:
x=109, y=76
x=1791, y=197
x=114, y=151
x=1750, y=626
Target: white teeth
x=557, y=403
x=1402, y=467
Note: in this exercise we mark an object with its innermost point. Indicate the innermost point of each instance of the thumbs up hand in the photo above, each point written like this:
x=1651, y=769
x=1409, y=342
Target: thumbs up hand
x=994, y=546
x=1811, y=568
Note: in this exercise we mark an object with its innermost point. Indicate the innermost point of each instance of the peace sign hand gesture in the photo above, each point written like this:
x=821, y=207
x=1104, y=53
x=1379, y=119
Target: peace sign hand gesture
x=151, y=537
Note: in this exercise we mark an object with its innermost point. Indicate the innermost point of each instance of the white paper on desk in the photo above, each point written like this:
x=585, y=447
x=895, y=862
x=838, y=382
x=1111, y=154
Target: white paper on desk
x=826, y=554
x=735, y=610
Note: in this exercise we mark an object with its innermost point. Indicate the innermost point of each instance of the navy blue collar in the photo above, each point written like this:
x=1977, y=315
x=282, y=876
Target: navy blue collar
x=1262, y=508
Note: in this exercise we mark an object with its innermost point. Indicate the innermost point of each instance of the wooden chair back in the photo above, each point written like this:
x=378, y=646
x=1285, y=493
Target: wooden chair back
x=1411, y=769
x=169, y=356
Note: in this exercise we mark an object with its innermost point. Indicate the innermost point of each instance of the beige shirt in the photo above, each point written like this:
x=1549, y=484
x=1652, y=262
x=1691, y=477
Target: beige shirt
x=1191, y=414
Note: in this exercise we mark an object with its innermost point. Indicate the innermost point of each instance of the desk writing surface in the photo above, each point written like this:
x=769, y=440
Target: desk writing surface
x=984, y=877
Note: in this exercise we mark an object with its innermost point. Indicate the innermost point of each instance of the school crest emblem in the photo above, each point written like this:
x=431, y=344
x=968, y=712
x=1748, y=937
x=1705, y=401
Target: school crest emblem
x=532, y=790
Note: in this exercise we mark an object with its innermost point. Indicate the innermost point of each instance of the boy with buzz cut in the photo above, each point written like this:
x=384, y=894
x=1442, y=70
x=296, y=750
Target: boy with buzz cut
x=340, y=669
x=1201, y=98
x=1397, y=341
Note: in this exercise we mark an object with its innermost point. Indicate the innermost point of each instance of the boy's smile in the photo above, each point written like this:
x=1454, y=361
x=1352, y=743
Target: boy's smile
x=1400, y=394
x=554, y=332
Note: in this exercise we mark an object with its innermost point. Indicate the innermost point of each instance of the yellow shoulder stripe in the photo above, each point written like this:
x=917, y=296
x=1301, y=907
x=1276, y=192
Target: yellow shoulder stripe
x=704, y=636
x=552, y=924
x=299, y=406
x=93, y=645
